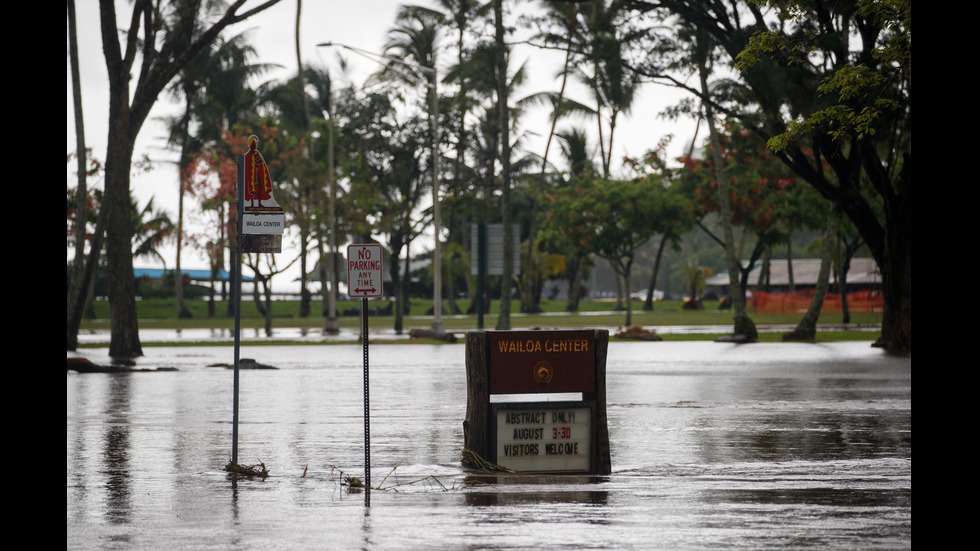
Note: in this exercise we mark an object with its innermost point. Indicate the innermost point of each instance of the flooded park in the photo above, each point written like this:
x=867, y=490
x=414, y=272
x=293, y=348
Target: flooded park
x=712, y=446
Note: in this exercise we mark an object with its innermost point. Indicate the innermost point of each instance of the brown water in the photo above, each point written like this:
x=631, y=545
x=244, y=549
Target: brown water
x=713, y=446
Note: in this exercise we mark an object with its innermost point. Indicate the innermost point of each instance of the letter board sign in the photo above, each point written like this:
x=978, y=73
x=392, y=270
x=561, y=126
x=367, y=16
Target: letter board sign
x=543, y=436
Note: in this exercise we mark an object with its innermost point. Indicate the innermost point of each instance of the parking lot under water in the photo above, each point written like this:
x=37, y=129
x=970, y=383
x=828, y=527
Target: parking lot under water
x=713, y=446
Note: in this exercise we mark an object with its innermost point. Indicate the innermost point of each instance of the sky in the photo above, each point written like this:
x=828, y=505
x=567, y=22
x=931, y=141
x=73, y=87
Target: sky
x=362, y=24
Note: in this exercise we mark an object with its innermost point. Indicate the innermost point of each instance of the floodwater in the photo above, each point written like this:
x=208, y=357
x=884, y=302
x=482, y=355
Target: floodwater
x=714, y=446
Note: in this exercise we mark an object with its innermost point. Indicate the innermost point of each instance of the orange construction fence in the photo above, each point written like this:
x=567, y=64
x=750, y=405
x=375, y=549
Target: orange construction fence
x=799, y=301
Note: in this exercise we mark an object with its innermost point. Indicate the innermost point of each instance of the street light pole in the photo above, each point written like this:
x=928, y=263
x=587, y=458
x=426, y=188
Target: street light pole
x=332, y=326
x=437, y=325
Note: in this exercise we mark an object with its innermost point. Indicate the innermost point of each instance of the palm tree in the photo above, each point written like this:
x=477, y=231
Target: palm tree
x=612, y=82
x=77, y=281
x=564, y=16
x=158, y=34
x=195, y=85
x=575, y=150
x=150, y=228
x=416, y=38
x=744, y=327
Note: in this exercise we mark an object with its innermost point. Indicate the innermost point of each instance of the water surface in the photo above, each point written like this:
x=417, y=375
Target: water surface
x=713, y=446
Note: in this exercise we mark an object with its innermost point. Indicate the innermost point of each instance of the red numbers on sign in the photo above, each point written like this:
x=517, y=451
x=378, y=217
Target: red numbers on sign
x=563, y=433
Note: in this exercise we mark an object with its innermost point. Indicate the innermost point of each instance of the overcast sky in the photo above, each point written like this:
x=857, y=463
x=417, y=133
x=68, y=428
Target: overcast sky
x=363, y=24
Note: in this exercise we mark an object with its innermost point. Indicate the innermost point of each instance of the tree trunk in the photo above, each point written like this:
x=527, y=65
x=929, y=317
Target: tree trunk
x=627, y=270
x=743, y=325
x=789, y=264
x=233, y=252
x=76, y=284
x=124, y=339
x=182, y=185
x=896, y=282
x=765, y=274
x=619, y=291
x=806, y=330
x=125, y=121
x=574, y=285
x=77, y=304
x=843, y=266
x=648, y=303
x=506, y=283
x=304, y=292
x=267, y=292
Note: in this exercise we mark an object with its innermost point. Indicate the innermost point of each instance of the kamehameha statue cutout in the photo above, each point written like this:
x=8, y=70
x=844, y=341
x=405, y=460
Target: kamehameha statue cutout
x=258, y=183
x=263, y=220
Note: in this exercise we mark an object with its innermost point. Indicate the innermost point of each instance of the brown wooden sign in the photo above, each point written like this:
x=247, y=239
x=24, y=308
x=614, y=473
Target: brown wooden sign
x=538, y=436
x=530, y=362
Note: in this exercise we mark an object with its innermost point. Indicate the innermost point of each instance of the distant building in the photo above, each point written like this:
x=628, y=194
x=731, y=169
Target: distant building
x=862, y=275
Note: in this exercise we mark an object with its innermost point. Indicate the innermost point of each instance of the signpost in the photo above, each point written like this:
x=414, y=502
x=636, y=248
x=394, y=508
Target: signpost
x=260, y=223
x=365, y=280
x=532, y=435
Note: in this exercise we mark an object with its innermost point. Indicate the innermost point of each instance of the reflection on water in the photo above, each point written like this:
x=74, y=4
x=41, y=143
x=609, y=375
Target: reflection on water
x=712, y=446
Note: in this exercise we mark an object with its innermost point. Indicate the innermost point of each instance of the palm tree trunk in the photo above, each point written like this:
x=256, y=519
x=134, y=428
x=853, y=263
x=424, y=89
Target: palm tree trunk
x=506, y=283
x=76, y=283
x=648, y=303
x=182, y=185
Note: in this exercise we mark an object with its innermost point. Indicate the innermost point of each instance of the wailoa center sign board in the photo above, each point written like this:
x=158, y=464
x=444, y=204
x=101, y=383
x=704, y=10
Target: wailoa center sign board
x=526, y=433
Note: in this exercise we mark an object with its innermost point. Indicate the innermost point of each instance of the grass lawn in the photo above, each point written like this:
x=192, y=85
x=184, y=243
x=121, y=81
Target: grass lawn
x=160, y=314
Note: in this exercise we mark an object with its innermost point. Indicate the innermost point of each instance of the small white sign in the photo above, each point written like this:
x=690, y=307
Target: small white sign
x=268, y=224
x=364, y=271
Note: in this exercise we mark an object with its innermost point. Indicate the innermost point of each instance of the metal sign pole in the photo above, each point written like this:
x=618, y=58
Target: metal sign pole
x=237, y=291
x=367, y=409
x=365, y=279
x=481, y=271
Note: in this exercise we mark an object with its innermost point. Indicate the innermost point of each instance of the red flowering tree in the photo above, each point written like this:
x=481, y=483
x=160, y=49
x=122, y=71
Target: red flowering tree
x=214, y=175
x=766, y=198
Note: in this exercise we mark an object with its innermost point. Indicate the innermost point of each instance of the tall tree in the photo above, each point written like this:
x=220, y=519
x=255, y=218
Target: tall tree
x=154, y=36
x=675, y=215
x=572, y=236
x=416, y=37
x=607, y=35
x=744, y=326
x=562, y=28
x=506, y=280
x=831, y=85
x=76, y=283
x=385, y=154
x=195, y=85
x=306, y=186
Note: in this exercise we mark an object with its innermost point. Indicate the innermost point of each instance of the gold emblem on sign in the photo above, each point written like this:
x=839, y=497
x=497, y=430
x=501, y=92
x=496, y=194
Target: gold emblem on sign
x=543, y=372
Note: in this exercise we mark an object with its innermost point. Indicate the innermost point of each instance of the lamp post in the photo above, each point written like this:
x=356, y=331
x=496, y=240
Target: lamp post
x=437, y=325
x=332, y=326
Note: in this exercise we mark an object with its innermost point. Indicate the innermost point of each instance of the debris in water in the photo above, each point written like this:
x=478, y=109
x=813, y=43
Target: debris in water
x=352, y=482
x=248, y=470
x=638, y=333
x=471, y=459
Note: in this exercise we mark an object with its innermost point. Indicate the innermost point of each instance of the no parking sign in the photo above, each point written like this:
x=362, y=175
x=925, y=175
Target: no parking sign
x=364, y=271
